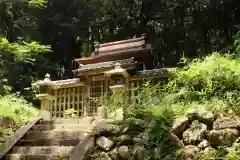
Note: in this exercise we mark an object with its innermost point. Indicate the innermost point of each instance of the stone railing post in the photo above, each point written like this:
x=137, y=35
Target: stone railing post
x=46, y=97
x=102, y=112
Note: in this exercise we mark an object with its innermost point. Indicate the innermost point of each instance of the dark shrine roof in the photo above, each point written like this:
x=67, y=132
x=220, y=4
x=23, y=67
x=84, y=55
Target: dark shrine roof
x=162, y=72
x=118, y=50
x=105, y=65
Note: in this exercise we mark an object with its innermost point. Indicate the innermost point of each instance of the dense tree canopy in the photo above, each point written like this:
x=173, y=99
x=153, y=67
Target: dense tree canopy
x=175, y=28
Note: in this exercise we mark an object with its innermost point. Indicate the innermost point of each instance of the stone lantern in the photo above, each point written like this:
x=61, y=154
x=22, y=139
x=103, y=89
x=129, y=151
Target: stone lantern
x=45, y=95
x=118, y=89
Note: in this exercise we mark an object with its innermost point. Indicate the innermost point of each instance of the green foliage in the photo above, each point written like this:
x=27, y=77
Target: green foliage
x=150, y=129
x=70, y=113
x=17, y=109
x=14, y=112
x=236, y=44
x=38, y=3
x=211, y=83
x=23, y=51
x=4, y=87
x=234, y=151
x=175, y=28
x=114, y=109
x=19, y=64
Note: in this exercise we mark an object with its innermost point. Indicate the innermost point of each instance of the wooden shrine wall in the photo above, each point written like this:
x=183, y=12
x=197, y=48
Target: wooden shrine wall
x=68, y=98
x=83, y=99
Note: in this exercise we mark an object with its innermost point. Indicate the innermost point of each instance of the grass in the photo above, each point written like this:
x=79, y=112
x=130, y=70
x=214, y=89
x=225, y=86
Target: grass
x=14, y=112
x=211, y=84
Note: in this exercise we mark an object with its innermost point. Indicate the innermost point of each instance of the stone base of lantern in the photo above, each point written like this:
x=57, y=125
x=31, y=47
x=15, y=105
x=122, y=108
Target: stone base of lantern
x=46, y=104
x=119, y=98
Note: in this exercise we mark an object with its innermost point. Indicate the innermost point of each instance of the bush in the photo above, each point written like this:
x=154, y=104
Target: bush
x=16, y=108
x=212, y=84
x=70, y=113
x=14, y=111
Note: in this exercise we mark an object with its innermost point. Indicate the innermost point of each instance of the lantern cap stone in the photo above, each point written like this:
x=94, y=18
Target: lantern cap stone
x=47, y=77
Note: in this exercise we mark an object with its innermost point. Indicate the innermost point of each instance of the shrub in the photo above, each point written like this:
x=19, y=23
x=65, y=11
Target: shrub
x=70, y=113
x=14, y=111
x=212, y=84
x=16, y=108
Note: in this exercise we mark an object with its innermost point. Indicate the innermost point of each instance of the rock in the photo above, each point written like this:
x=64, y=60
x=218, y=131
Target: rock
x=125, y=140
x=190, y=152
x=107, y=129
x=174, y=142
x=226, y=122
x=195, y=133
x=192, y=114
x=201, y=115
x=208, y=153
x=204, y=144
x=104, y=143
x=210, y=149
x=141, y=138
x=180, y=125
x=6, y=122
x=136, y=121
x=133, y=125
x=124, y=152
x=140, y=153
x=156, y=153
x=224, y=137
x=113, y=154
x=104, y=156
x=169, y=157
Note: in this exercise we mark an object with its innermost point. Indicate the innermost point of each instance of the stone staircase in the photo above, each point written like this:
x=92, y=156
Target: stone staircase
x=51, y=140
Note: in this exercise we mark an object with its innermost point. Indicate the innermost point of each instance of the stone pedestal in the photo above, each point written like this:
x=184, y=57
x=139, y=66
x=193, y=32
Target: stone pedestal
x=118, y=93
x=119, y=98
x=46, y=104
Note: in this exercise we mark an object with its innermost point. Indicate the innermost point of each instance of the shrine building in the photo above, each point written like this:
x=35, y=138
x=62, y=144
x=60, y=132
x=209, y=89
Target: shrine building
x=121, y=65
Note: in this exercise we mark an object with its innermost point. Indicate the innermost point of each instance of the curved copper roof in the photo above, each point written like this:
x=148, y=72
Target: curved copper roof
x=118, y=50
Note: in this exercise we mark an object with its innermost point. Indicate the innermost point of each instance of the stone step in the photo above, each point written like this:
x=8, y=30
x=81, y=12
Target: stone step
x=34, y=157
x=49, y=142
x=57, y=134
x=46, y=127
x=54, y=150
x=84, y=120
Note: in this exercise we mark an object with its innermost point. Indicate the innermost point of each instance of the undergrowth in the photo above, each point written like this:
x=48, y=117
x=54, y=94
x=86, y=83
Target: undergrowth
x=211, y=83
x=14, y=111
